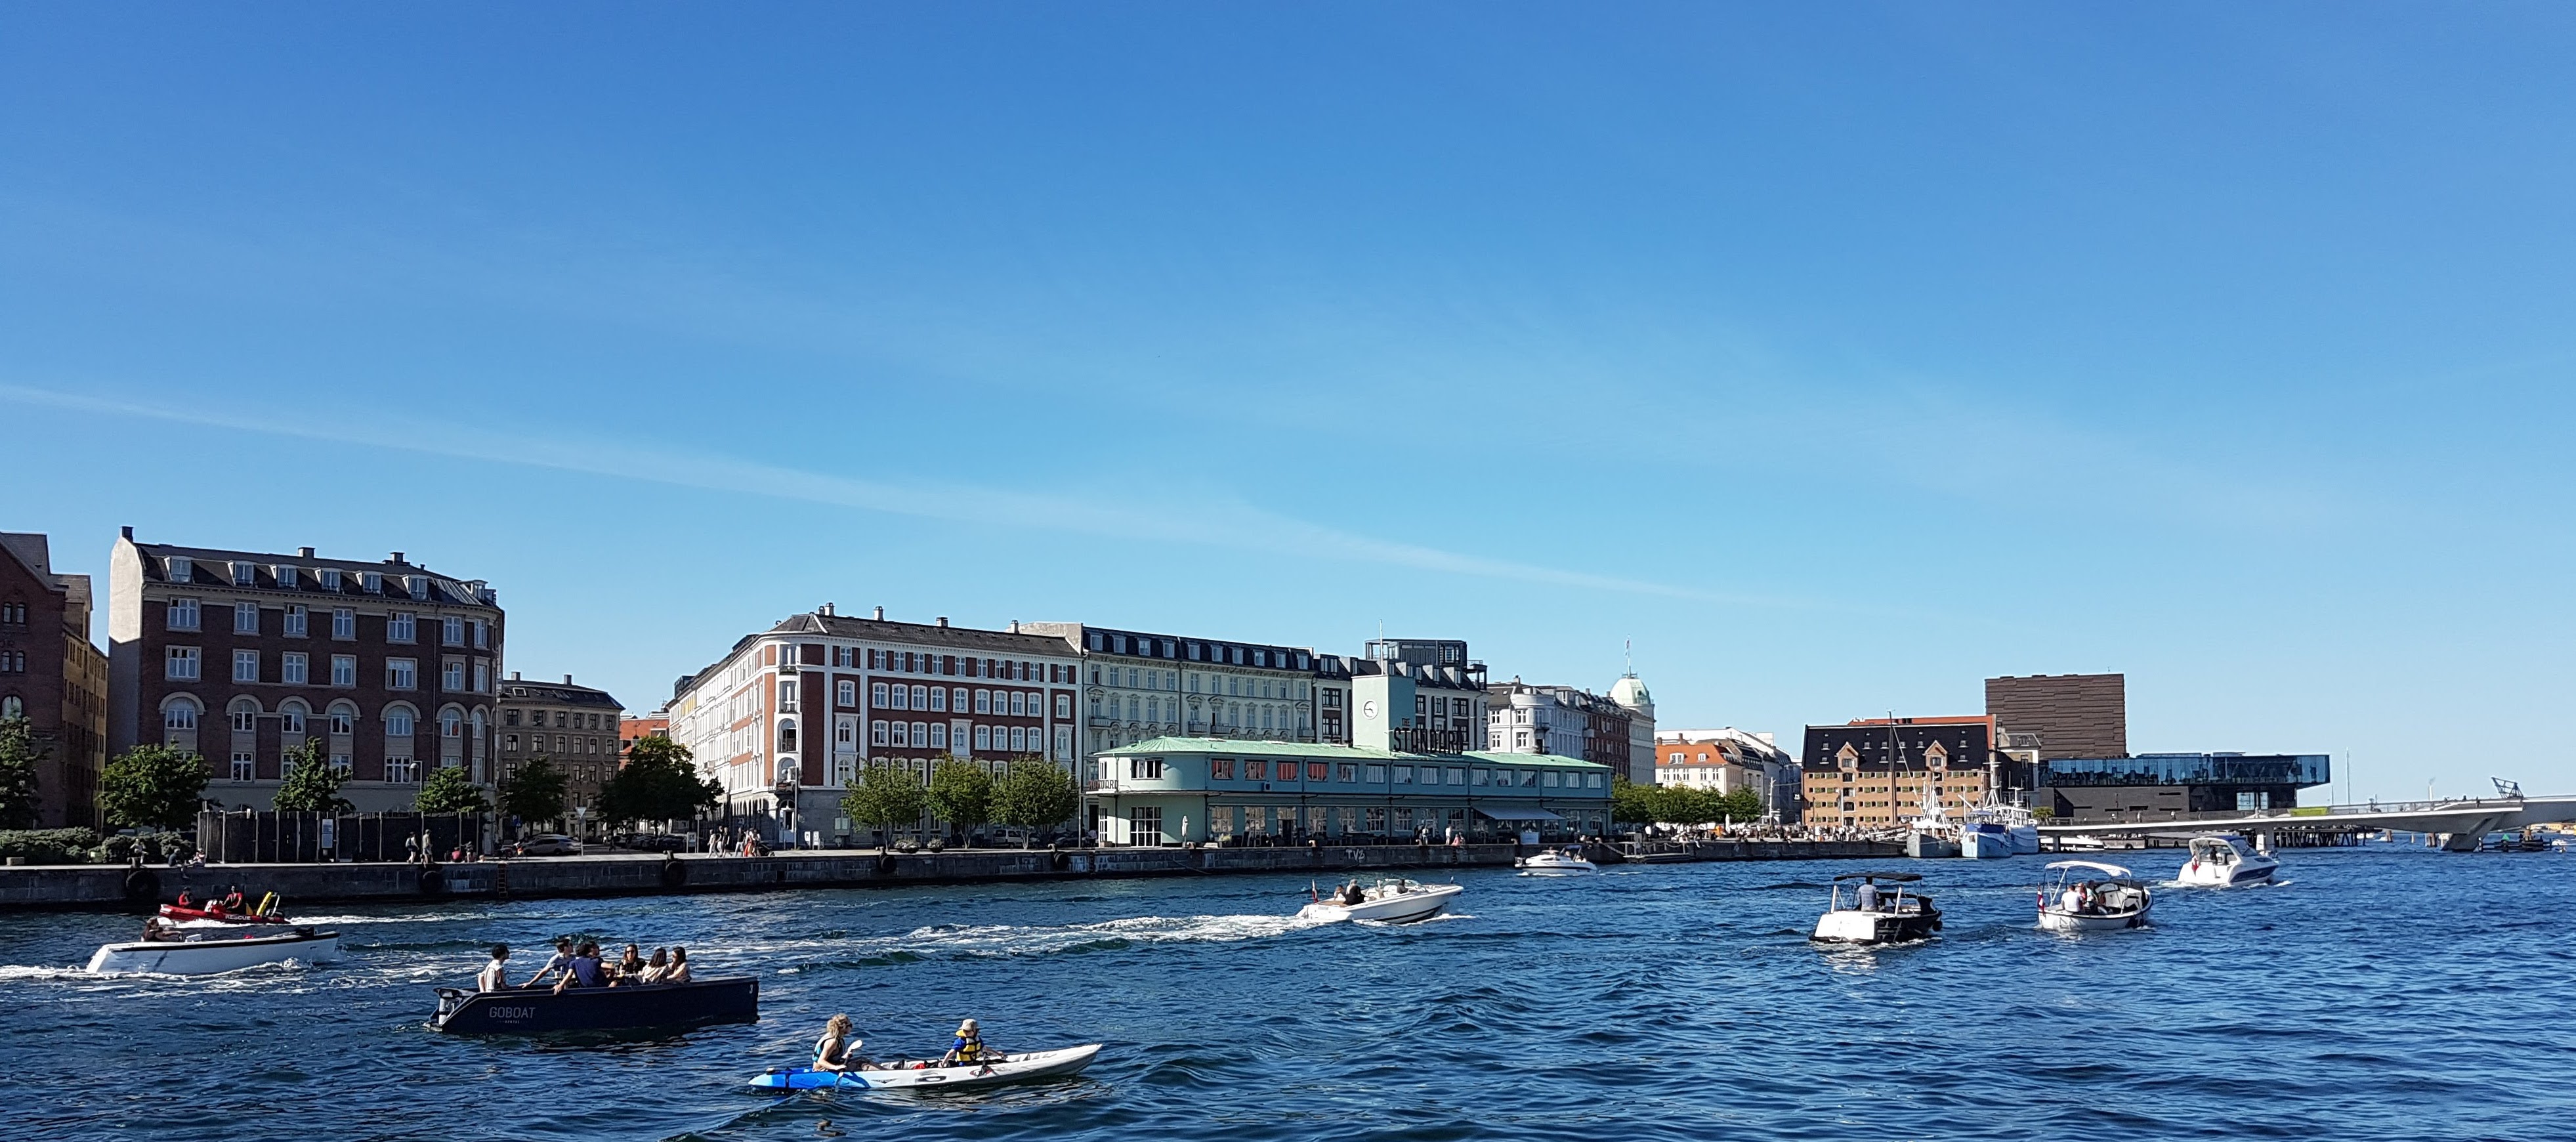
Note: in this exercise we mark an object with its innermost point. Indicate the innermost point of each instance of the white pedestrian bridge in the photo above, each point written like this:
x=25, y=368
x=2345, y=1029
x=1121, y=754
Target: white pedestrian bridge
x=2461, y=823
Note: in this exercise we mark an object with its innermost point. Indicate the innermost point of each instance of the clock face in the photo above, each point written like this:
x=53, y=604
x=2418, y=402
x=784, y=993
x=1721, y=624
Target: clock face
x=1368, y=710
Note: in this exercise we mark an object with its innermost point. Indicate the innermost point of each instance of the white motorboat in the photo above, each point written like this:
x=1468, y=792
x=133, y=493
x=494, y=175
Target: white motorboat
x=2089, y=896
x=1876, y=915
x=2015, y=826
x=2224, y=860
x=1984, y=840
x=1393, y=900
x=922, y=1074
x=209, y=956
x=1555, y=862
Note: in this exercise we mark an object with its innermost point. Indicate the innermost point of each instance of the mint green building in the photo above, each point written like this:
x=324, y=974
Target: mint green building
x=1171, y=790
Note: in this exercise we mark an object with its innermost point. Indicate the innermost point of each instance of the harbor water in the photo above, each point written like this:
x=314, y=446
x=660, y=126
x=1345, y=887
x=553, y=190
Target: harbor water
x=2384, y=992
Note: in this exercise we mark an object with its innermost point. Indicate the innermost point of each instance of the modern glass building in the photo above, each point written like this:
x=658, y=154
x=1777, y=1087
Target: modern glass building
x=2152, y=785
x=1172, y=790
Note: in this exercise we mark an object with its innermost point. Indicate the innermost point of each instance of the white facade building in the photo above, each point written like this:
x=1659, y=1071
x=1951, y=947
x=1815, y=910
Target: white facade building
x=1138, y=685
x=1725, y=760
x=785, y=720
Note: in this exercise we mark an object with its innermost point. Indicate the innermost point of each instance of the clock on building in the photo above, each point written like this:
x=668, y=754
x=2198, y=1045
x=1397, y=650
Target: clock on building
x=1368, y=709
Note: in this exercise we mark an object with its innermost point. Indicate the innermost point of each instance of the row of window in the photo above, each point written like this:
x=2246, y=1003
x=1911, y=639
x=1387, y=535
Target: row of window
x=1256, y=769
x=296, y=622
x=578, y=720
x=1103, y=641
x=180, y=712
x=13, y=662
x=918, y=662
x=183, y=569
x=942, y=699
x=935, y=735
x=398, y=770
x=565, y=745
x=294, y=668
x=13, y=613
x=1231, y=685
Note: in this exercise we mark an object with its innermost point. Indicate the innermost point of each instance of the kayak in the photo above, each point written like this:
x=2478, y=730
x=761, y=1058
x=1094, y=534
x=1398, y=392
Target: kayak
x=917, y=1074
x=217, y=915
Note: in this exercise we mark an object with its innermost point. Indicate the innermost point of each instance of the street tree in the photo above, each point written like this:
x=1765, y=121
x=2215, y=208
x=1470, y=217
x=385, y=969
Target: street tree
x=961, y=795
x=886, y=796
x=153, y=786
x=21, y=753
x=312, y=784
x=535, y=793
x=1035, y=795
x=450, y=789
x=659, y=782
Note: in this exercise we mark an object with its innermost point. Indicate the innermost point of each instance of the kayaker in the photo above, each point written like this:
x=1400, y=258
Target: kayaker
x=969, y=1047
x=837, y=1050
x=494, y=976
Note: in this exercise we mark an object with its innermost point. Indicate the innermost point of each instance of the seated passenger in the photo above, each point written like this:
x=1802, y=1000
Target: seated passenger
x=233, y=902
x=583, y=970
x=837, y=1051
x=969, y=1047
x=155, y=931
x=555, y=964
x=494, y=976
x=654, y=967
x=629, y=967
x=678, y=972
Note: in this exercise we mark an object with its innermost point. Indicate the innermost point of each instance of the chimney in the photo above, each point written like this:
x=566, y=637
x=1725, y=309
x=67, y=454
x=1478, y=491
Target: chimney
x=943, y=620
x=567, y=680
x=825, y=610
x=880, y=614
x=304, y=553
x=396, y=559
x=129, y=533
x=514, y=676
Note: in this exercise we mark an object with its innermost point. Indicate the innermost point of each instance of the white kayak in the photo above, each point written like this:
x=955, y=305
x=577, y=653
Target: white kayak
x=929, y=1073
x=207, y=957
x=1394, y=900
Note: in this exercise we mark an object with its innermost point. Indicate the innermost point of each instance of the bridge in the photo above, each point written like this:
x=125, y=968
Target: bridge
x=2460, y=823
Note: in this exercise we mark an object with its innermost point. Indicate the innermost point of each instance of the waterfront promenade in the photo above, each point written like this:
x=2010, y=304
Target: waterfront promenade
x=646, y=874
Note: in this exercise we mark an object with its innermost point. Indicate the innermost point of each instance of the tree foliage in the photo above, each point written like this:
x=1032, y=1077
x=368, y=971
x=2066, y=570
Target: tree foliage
x=450, y=789
x=887, y=795
x=312, y=784
x=1635, y=804
x=659, y=782
x=535, y=792
x=960, y=794
x=153, y=786
x=1036, y=795
x=21, y=752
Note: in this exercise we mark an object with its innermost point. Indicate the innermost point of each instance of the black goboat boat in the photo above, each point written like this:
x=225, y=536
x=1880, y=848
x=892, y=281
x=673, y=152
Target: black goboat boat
x=636, y=1007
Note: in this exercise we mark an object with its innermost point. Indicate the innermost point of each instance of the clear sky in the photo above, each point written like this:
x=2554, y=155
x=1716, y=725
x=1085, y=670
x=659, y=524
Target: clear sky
x=1840, y=355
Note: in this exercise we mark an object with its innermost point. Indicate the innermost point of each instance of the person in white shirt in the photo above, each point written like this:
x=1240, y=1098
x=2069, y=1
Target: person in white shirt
x=495, y=977
x=557, y=963
x=1866, y=896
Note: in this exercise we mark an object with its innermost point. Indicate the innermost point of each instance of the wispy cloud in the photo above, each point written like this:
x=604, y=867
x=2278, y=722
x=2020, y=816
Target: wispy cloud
x=1219, y=523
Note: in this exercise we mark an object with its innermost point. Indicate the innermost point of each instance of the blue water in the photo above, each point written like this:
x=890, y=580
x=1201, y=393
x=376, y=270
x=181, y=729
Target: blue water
x=2384, y=993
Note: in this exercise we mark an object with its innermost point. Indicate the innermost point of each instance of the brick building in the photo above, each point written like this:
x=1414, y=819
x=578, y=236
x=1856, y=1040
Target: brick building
x=786, y=718
x=237, y=656
x=575, y=728
x=52, y=675
x=631, y=730
x=2063, y=715
x=1875, y=773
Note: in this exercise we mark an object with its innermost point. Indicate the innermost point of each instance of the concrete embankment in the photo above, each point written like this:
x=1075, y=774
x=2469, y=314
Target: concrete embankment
x=114, y=887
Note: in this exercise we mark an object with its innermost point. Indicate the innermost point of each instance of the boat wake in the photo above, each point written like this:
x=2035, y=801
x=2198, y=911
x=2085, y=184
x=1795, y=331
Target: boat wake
x=1017, y=940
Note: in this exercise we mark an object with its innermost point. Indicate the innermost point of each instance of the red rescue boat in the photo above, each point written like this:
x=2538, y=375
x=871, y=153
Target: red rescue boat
x=217, y=914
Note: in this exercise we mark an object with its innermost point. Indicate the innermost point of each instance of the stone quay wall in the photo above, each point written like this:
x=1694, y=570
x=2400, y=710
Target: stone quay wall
x=644, y=874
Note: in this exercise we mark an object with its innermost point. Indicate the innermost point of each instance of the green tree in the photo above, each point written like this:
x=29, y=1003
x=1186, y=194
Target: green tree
x=960, y=794
x=1742, y=805
x=535, y=792
x=312, y=784
x=153, y=786
x=450, y=789
x=21, y=752
x=659, y=782
x=1631, y=803
x=1036, y=795
x=886, y=796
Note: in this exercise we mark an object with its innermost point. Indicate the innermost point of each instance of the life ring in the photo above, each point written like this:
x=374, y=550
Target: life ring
x=885, y=864
x=1060, y=860
x=142, y=884
x=674, y=873
x=433, y=882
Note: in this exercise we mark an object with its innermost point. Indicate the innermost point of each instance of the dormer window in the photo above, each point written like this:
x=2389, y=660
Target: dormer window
x=330, y=578
x=420, y=586
x=285, y=577
x=182, y=569
x=373, y=581
x=245, y=573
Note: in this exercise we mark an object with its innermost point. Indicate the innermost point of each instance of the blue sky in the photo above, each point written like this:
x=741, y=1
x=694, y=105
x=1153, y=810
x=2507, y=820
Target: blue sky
x=1841, y=356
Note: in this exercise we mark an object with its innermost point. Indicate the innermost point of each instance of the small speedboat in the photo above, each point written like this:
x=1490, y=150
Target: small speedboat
x=207, y=957
x=924, y=1073
x=2089, y=896
x=1555, y=862
x=632, y=1007
x=2223, y=861
x=1881, y=911
x=1393, y=900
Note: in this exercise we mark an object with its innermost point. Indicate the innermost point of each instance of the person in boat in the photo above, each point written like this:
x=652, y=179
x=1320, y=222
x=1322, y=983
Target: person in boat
x=583, y=970
x=1352, y=895
x=969, y=1048
x=154, y=931
x=183, y=901
x=678, y=972
x=655, y=966
x=494, y=976
x=1865, y=897
x=2072, y=902
x=837, y=1050
x=233, y=902
x=555, y=964
x=629, y=969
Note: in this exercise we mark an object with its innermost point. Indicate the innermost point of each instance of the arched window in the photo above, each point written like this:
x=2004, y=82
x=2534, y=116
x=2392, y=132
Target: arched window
x=450, y=725
x=290, y=716
x=179, y=713
x=11, y=707
x=245, y=715
x=398, y=721
x=344, y=718
x=786, y=735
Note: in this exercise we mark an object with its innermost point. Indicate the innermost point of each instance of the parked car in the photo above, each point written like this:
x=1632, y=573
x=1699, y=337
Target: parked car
x=546, y=844
x=655, y=843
